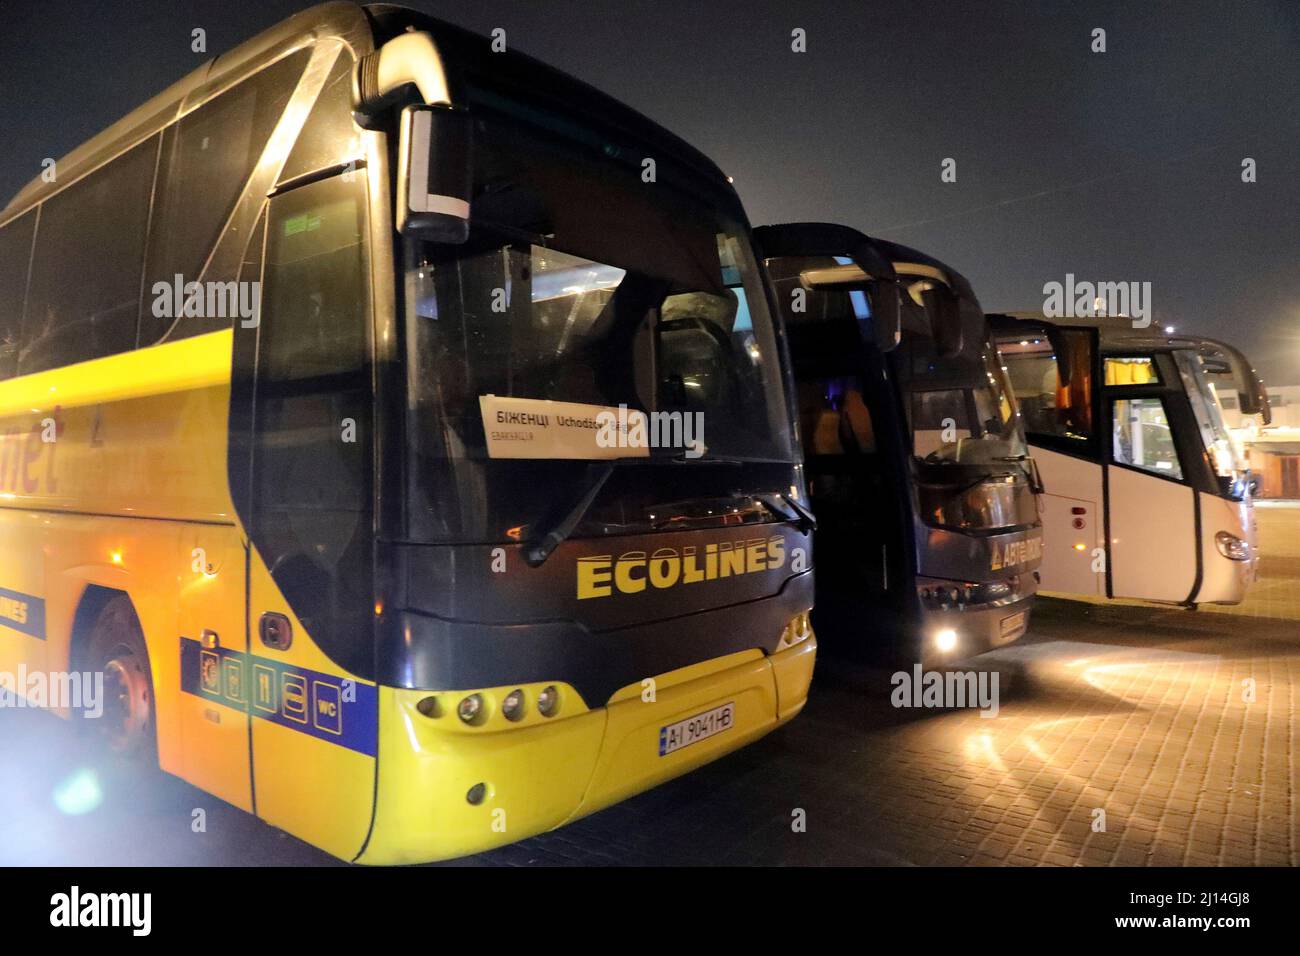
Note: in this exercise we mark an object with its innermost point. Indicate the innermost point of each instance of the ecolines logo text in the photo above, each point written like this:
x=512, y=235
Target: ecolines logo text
x=635, y=571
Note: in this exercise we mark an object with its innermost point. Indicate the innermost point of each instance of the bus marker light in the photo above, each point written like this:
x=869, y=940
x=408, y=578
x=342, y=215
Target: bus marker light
x=470, y=708
x=476, y=794
x=946, y=640
x=513, y=705
x=548, y=701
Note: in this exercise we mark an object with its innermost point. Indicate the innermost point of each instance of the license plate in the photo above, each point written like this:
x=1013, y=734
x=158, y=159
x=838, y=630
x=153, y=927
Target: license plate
x=694, y=729
x=1013, y=624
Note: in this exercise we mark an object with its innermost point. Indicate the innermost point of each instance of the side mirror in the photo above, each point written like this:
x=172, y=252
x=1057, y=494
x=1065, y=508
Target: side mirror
x=945, y=316
x=434, y=173
x=1252, y=398
x=886, y=316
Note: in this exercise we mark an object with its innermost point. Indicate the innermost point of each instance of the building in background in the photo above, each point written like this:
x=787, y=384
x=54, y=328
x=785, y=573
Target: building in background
x=1273, y=451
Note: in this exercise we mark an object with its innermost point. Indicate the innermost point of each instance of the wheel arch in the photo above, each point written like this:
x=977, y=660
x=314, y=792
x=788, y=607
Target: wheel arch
x=94, y=598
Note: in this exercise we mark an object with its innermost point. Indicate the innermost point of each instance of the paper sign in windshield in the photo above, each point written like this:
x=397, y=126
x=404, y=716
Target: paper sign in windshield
x=537, y=428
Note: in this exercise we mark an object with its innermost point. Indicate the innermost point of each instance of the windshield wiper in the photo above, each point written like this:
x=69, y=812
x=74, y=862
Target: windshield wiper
x=789, y=509
x=537, y=553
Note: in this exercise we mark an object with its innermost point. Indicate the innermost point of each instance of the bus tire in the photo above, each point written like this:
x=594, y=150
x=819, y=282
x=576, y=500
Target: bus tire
x=116, y=648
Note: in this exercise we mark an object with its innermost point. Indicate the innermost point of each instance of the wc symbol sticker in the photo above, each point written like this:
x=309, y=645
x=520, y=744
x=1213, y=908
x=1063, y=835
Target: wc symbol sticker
x=328, y=713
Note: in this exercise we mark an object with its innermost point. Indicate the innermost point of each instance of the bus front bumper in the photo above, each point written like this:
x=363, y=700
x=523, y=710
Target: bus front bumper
x=448, y=788
x=951, y=635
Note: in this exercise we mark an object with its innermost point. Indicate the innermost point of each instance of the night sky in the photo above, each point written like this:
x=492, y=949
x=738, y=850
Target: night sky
x=1118, y=166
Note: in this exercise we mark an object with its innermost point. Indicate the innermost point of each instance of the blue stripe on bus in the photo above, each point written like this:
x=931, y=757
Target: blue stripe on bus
x=22, y=612
x=325, y=706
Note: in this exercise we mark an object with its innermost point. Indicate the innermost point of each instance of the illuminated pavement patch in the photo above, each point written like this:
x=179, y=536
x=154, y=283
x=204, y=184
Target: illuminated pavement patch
x=1137, y=712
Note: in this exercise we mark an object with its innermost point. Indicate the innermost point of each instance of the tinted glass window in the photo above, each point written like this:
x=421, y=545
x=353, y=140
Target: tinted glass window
x=208, y=159
x=312, y=436
x=15, y=257
x=329, y=136
x=1048, y=406
x=85, y=289
x=1142, y=437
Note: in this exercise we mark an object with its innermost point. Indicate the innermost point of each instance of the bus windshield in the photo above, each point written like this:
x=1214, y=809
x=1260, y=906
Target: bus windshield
x=1223, y=453
x=972, y=466
x=959, y=409
x=583, y=283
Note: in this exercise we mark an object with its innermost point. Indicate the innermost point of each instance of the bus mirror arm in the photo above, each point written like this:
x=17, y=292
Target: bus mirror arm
x=385, y=77
x=434, y=152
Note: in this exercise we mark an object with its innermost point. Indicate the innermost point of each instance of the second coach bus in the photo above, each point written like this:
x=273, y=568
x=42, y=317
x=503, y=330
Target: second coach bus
x=1147, y=496
x=403, y=431
x=917, y=467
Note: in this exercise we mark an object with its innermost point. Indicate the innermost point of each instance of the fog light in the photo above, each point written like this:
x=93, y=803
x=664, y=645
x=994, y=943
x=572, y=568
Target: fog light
x=513, y=705
x=1232, y=547
x=548, y=701
x=470, y=709
x=946, y=640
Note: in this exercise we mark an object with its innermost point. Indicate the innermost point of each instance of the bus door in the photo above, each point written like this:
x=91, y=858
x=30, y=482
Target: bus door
x=309, y=513
x=824, y=279
x=1151, y=500
x=1051, y=370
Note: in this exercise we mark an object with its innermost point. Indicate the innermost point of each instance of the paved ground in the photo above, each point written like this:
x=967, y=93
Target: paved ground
x=1277, y=592
x=1180, y=726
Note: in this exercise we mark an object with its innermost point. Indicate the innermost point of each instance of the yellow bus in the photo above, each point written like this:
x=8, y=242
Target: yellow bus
x=402, y=429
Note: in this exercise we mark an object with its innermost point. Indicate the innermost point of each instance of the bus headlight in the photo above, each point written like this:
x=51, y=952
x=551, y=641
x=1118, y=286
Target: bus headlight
x=1232, y=547
x=797, y=629
x=946, y=640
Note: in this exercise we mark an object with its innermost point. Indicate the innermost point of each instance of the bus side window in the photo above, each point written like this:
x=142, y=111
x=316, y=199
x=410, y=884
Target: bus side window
x=15, y=257
x=1142, y=437
x=1048, y=408
x=329, y=136
x=312, y=436
x=84, y=295
x=208, y=158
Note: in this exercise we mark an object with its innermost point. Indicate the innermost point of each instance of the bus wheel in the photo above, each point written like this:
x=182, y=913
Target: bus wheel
x=117, y=650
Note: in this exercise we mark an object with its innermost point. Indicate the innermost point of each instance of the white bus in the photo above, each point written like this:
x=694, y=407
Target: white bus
x=1145, y=495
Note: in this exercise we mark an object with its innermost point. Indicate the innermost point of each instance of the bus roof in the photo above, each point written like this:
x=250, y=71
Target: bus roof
x=360, y=27
x=899, y=255
x=1116, y=332
x=532, y=79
